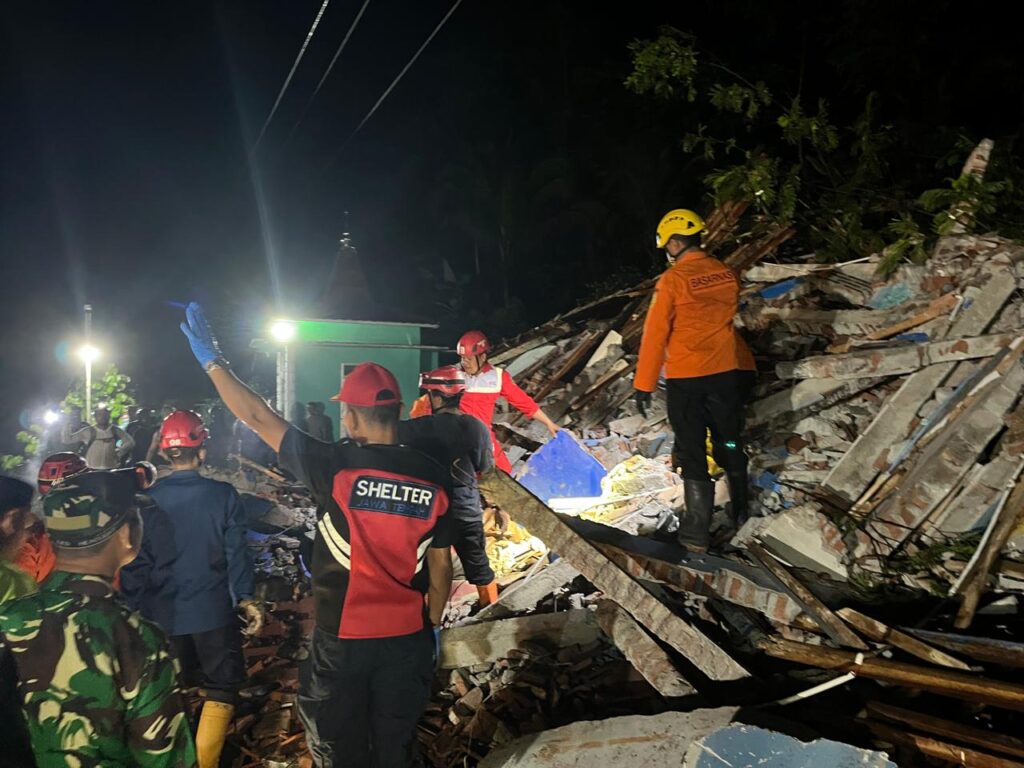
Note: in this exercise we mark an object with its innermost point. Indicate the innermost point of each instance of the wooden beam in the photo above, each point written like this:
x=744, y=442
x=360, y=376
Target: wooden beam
x=543, y=523
x=880, y=633
x=646, y=656
x=492, y=640
x=1004, y=653
x=837, y=631
x=590, y=341
x=939, y=749
x=956, y=685
x=895, y=360
x=995, y=742
x=535, y=338
x=975, y=579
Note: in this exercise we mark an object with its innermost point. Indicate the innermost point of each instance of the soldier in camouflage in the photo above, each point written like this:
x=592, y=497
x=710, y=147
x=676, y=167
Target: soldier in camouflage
x=97, y=684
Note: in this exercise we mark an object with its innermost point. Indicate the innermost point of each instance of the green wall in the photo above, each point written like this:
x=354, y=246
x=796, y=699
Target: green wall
x=318, y=368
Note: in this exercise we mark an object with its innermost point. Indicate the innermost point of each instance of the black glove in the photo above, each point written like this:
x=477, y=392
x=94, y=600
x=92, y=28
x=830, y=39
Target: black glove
x=643, y=401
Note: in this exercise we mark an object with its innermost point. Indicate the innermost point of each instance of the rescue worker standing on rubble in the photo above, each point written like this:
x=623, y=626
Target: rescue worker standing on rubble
x=486, y=384
x=465, y=444
x=382, y=541
x=194, y=574
x=709, y=370
x=96, y=682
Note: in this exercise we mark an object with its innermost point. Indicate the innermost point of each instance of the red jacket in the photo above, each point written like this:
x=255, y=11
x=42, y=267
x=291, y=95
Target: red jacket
x=483, y=391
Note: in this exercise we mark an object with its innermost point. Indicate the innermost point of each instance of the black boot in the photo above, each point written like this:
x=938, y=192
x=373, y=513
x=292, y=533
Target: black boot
x=739, y=490
x=695, y=521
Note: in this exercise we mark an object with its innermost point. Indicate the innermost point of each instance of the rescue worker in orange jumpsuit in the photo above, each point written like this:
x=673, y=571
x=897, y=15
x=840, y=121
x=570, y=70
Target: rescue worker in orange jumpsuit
x=709, y=372
x=486, y=384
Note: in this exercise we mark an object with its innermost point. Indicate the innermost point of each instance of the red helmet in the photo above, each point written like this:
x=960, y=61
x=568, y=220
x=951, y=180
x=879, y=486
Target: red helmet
x=183, y=429
x=56, y=467
x=447, y=380
x=472, y=343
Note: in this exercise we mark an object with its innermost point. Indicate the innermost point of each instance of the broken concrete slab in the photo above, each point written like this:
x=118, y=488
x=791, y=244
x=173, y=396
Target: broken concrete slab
x=657, y=741
x=746, y=746
x=940, y=468
x=646, y=656
x=894, y=360
x=853, y=473
x=489, y=641
x=803, y=536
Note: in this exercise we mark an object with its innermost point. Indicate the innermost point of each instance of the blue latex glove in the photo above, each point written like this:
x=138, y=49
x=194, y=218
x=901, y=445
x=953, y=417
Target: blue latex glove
x=437, y=646
x=200, y=335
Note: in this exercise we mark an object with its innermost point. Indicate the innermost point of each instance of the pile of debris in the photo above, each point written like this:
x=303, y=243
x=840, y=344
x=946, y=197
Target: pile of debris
x=886, y=449
x=874, y=599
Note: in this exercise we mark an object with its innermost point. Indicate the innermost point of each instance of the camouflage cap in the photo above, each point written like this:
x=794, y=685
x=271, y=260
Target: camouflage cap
x=90, y=507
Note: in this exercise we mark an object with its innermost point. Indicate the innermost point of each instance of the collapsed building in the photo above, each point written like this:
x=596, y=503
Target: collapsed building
x=868, y=614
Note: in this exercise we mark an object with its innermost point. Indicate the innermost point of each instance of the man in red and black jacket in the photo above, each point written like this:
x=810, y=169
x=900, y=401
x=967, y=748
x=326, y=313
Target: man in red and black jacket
x=382, y=542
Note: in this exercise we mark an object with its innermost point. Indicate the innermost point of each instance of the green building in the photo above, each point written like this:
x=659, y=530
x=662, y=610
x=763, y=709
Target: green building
x=313, y=357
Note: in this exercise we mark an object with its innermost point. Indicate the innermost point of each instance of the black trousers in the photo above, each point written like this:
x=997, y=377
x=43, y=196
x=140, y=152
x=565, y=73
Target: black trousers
x=471, y=547
x=703, y=403
x=214, y=661
x=360, y=700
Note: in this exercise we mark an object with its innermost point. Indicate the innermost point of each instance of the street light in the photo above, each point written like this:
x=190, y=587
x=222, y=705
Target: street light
x=88, y=354
x=282, y=331
x=51, y=417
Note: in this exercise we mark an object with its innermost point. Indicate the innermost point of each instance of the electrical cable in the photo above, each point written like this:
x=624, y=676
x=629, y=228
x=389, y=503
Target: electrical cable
x=287, y=80
x=395, y=82
x=337, y=53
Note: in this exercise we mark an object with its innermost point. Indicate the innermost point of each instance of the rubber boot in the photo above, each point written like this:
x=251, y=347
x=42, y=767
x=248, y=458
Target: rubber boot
x=695, y=520
x=488, y=594
x=739, y=490
x=211, y=733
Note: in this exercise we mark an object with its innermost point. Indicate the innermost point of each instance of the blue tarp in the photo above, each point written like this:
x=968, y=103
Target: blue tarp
x=563, y=469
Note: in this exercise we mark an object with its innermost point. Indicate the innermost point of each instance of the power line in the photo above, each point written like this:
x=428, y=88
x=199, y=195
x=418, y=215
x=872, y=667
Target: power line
x=337, y=53
x=398, y=78
x=287, y=80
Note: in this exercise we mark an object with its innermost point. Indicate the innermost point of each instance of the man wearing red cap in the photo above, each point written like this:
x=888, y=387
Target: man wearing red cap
x=486, y=384
x=382, y=542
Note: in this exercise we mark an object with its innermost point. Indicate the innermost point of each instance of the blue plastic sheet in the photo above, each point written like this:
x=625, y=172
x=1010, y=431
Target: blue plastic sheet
x=563, y=469
x=776, y=290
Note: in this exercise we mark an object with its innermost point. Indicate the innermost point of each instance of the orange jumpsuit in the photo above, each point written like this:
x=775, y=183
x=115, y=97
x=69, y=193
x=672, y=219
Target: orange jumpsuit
x=709, y=369
x=689, y=327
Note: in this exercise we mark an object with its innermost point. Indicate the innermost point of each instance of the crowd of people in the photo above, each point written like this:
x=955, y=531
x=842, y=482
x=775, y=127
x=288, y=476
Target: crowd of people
x=119, y=585
x=122, y=584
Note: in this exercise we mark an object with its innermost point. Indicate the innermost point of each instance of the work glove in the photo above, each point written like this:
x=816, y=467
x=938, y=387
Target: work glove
x=643, y=401
x=200, y=335
x=254, y=617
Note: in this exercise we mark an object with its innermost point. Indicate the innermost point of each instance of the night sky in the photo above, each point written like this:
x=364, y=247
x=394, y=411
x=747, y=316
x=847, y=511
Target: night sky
x=126, y=180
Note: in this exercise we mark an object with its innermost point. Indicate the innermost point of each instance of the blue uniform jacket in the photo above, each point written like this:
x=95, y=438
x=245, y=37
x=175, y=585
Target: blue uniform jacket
x=194, y=565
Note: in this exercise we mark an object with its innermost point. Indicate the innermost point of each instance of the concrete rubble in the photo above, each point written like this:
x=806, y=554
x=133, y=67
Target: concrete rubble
x=873, y=598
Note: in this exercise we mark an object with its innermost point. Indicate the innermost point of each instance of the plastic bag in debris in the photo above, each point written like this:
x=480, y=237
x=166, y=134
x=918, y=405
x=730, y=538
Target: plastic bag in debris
x=563, y=469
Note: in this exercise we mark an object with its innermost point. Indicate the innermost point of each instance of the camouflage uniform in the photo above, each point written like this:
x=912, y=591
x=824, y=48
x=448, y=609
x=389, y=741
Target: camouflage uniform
x=98, y=686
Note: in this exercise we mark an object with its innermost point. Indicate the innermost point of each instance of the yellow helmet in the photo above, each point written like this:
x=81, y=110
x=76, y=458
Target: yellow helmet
x=678, y=222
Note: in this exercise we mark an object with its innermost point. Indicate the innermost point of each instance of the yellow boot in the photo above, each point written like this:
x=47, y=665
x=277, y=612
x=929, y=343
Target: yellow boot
x=487, y=594
x=212, y=731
